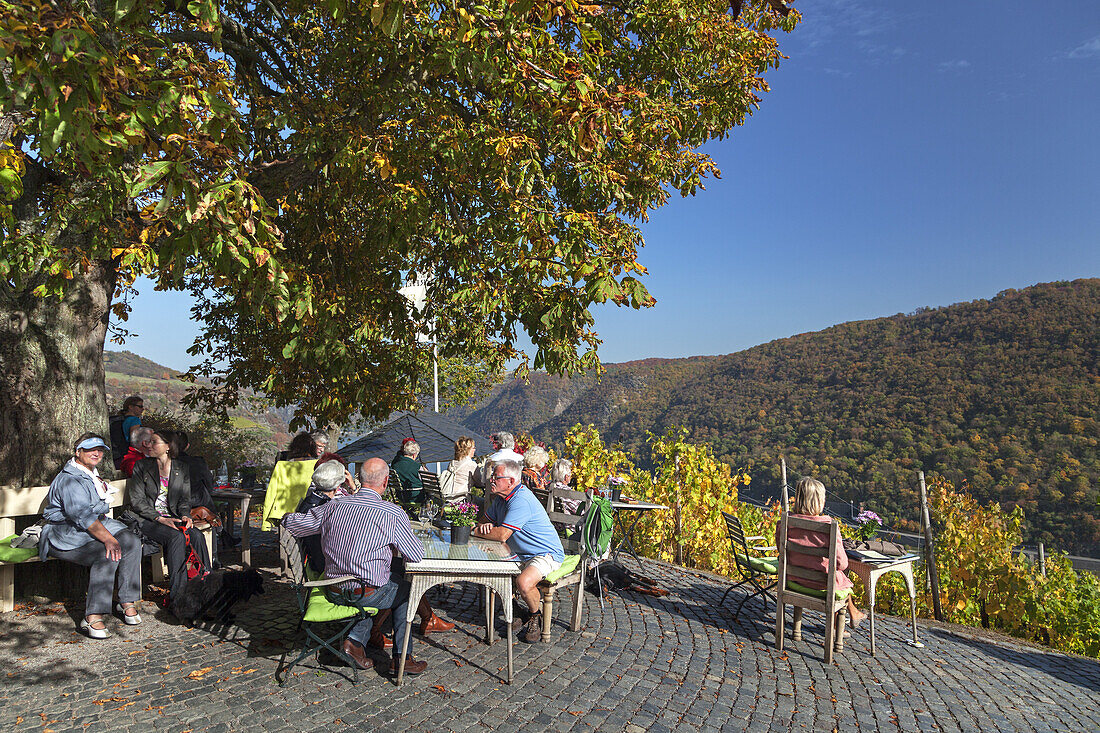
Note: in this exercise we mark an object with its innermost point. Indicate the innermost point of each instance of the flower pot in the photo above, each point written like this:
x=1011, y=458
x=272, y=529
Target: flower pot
x=460, y=535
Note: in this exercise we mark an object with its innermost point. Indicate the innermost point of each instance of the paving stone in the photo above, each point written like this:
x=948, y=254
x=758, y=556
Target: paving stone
x=681, y=663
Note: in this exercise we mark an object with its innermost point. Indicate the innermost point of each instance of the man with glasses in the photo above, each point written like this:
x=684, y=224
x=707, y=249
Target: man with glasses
x=516, y=517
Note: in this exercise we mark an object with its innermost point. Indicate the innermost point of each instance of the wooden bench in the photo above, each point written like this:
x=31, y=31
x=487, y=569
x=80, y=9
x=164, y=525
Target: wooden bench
x=28, y=502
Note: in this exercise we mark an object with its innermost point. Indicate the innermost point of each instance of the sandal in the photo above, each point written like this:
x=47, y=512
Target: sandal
x=130, y=619
x=89, y=627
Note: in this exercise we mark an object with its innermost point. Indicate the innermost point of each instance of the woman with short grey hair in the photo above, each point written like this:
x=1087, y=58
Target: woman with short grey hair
x=407, y=468
x=561, y=475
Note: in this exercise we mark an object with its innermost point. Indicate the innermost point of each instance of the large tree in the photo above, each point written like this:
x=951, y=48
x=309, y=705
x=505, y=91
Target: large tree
x=294, y=163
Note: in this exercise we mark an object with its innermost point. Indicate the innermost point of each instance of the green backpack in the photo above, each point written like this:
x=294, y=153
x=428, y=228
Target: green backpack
x=597, y=528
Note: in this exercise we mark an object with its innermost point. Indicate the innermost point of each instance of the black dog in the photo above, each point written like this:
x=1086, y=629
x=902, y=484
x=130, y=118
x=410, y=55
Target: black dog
x=214, y=594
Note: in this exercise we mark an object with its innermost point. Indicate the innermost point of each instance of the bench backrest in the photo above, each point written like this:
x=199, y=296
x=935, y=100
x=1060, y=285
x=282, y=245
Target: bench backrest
x=30, y=500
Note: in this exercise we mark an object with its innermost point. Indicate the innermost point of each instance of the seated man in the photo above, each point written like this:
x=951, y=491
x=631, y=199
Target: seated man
x=515, y=516
x=408, y=470
x=139, y=446
x=359, y=535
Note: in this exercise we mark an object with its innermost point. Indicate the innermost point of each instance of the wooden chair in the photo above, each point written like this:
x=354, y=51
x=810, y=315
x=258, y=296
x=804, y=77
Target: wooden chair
x=430, y=482
x=320, y=602
x=573, y=570
x=790, y=591
x=757, y=572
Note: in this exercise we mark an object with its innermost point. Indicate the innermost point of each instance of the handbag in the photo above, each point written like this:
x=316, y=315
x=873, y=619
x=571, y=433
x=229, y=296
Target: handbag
x=29, y=537
x=192, y=564
x=202, y=514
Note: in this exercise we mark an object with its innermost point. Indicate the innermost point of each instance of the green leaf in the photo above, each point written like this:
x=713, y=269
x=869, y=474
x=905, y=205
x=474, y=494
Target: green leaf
x=148, y=175
x=123, y=8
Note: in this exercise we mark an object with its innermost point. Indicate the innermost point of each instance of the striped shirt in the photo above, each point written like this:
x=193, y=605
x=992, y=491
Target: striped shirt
x=358, y=535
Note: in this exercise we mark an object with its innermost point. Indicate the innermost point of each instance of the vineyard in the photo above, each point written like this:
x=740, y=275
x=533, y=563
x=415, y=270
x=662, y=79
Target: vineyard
x=982, y=582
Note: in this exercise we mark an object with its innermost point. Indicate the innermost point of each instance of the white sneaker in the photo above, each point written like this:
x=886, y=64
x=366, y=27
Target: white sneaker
x=95, y=633
x=128, y=620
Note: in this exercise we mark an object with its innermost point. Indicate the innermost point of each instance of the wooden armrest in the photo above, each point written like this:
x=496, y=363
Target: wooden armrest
x=755, y=537
x=325, y=582
x=769, y=548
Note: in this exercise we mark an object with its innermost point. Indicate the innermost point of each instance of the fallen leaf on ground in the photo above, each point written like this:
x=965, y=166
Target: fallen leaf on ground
x=198, y=673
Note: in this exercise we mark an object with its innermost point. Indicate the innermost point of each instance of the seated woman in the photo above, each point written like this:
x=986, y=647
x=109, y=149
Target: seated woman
x=408, y=470
x=349, y=486
x=78, y=530
x=327, y=478
x=561, y=476
x=809, y=503
x=534, y=470
x=160, y=495
x=462, y=466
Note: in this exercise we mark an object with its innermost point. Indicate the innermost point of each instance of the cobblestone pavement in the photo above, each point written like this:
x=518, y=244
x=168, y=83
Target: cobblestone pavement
x=639, y=664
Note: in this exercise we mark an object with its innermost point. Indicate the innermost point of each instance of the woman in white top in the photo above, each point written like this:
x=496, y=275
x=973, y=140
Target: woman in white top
x=462, y=466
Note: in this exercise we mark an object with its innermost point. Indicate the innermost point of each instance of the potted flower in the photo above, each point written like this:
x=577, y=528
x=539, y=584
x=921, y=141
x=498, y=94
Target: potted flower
x=869, y=524
x=461, y=515
x=615, y=486
x=247, y=472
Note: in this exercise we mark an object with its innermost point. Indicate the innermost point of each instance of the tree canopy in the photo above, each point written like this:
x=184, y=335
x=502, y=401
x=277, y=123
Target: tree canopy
x=294, y=163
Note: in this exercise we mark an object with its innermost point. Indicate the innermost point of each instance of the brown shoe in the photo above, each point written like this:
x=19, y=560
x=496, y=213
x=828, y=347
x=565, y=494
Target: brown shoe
x=378, y=640
x=434, y=623
x=534, y=629
x=412, y=666
x=357, y=654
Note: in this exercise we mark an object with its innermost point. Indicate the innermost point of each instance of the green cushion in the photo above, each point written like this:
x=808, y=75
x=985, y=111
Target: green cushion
x=768, y=565
x=15, y=554
x=816, y=592
x=567, y=566
x=320, y=608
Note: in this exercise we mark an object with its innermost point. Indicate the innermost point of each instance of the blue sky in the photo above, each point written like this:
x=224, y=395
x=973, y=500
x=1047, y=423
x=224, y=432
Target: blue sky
x=908, y=155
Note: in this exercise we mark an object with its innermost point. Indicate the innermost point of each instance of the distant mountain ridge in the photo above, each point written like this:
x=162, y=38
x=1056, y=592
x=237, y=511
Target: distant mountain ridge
x=999, y=395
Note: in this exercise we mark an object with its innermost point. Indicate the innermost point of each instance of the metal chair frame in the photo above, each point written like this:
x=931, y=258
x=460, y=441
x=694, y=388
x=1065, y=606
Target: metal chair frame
x=761, y=581
x=314, y=642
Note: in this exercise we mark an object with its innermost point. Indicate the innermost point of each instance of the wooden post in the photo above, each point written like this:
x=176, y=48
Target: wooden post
x=1042, y=560
x=930, y=550
x=679, y=549
x=784, y=500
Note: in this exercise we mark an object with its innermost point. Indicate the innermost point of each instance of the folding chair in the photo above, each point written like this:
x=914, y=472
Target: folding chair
x=757, y=572
x=321, y=602
x=790, y=590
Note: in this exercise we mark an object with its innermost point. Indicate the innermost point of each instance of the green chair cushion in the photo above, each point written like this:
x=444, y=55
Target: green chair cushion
x=768, y=565
x=568, y=565
x=15, y=554
x=320, y=608
x=816, y=592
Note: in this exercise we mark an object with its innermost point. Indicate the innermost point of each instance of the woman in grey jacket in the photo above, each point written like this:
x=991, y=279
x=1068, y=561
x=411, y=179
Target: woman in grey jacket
x=160, y=494
x=78, y=530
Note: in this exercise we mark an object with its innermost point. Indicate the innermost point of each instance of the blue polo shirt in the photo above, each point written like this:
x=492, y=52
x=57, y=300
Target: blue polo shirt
x=532, y=532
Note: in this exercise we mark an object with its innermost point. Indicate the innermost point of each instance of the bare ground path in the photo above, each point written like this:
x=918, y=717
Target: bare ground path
x=641, y=664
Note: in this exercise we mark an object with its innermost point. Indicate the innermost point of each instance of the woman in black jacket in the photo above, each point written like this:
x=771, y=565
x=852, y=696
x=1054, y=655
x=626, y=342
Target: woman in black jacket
x=160, y=494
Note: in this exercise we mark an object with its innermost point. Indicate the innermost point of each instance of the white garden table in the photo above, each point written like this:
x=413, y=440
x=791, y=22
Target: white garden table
x=485, y=562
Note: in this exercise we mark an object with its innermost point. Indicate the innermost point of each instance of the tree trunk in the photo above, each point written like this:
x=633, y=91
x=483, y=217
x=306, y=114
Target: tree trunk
x=51, y=375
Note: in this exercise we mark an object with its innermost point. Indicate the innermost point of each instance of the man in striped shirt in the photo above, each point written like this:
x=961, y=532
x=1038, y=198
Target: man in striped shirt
x=359, y=534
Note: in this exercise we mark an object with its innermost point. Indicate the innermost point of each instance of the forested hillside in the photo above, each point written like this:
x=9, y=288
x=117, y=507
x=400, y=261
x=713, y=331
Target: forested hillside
x=1000, y=396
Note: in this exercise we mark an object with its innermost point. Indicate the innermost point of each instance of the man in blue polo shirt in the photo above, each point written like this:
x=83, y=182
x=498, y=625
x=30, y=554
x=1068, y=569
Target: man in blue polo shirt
x=515, y=516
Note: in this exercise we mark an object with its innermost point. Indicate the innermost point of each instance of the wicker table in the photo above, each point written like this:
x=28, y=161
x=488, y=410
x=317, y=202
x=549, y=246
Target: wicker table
x=869, y=572
x=484, y=562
